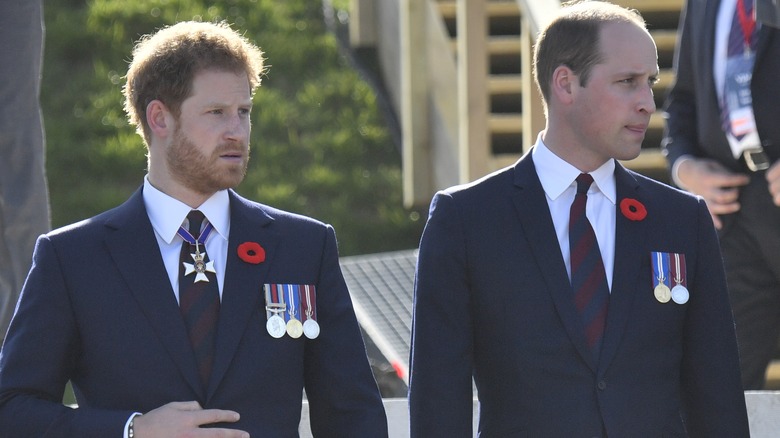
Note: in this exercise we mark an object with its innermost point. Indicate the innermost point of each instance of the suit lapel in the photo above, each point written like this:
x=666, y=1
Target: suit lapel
x=538, y=228
x=243, y=289
x=133, y=247
x=629, y=251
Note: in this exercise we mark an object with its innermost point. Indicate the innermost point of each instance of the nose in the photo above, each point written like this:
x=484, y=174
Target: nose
x=238, y=128
x=646, y=101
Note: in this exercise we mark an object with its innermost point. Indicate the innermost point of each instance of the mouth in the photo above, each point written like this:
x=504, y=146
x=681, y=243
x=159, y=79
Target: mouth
x=232, y=153
x=639, y=128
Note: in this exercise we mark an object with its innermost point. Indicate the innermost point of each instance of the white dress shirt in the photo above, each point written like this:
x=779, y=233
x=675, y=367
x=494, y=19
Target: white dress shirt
x=722, y=31
x=558, y=181
x=167, y=215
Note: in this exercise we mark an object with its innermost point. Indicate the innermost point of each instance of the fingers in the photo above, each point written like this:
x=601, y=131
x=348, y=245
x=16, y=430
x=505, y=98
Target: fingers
x=716, y=222
x=717, y=185
x=709, y=173
x=185, y=406
x=180, y=419
x=210, y=416
x=773, y=178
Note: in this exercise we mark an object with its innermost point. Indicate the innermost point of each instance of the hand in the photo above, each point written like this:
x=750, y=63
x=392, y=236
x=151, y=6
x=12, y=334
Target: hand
x=717, y=185
x=182, y=419
x=773, y=178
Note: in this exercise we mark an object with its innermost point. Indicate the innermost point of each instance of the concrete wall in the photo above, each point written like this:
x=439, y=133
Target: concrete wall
x=763, y=413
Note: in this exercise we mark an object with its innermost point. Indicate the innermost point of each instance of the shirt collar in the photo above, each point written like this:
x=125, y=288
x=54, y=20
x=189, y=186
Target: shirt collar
x=557, y=175
x=167, y=213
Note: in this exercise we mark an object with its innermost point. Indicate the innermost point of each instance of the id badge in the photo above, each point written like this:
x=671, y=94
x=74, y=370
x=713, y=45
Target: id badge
x=742, y=133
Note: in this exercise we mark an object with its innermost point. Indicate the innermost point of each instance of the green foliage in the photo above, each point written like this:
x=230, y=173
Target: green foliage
x=319, y=145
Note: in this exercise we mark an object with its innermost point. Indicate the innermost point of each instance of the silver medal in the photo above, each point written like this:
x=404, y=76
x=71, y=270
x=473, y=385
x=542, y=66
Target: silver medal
x=311, y=329
x=680, y=294
x=276, y=326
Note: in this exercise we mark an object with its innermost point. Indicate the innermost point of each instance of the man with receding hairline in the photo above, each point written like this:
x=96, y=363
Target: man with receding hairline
x=581, y=298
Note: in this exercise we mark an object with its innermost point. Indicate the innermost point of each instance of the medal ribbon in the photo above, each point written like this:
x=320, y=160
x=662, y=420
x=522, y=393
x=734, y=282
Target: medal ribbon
x=201, y=240
x=660, y=268
x=748, y=24
x=293, y=301
x=678, y=269
x=274, y=301
x=309, y=303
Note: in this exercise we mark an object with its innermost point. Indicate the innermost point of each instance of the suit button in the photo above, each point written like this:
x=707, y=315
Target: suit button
x=602, y=385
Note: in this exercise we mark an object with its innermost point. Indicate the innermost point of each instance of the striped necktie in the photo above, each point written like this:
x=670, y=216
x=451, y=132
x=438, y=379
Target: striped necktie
x=588, y=279
x=199, y=299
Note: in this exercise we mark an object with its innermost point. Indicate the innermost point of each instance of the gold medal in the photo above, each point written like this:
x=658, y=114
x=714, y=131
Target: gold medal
x=662, y=293
x=294, y=328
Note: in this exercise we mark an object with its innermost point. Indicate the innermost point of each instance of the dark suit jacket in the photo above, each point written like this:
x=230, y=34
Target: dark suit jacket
x=98, y=309
x=493, y=298
x=693, y=114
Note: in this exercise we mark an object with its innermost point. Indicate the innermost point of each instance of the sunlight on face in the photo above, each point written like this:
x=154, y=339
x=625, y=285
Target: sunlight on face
x=209, y=150
x=613, y=109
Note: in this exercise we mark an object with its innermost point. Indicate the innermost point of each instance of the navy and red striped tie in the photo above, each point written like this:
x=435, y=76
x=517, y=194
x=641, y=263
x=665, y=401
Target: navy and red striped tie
x=199, y=303
x=588, y=279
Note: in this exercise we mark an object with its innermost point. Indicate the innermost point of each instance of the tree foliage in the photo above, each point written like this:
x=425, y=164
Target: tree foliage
x=319, y=144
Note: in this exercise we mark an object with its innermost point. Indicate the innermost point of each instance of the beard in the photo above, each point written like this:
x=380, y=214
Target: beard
x=201, y=173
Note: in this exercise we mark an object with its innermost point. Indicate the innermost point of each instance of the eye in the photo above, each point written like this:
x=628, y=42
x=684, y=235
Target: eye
x=244, y=111
x=215, y=111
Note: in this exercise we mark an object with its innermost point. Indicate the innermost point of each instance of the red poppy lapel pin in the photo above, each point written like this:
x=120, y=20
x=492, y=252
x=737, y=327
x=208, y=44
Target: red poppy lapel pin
x=633, y=209
x=251, y=252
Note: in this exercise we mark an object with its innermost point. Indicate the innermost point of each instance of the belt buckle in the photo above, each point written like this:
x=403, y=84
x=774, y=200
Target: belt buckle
x=756, y=159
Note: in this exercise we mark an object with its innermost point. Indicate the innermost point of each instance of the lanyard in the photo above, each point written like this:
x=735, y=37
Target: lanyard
x=748, y=24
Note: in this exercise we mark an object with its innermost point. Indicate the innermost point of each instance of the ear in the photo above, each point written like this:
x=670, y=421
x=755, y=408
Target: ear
x=159, y=118
x=563, y=84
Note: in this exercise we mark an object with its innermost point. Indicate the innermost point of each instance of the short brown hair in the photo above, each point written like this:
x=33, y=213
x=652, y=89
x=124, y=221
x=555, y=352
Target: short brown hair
x=165, y=63
x=572, y=39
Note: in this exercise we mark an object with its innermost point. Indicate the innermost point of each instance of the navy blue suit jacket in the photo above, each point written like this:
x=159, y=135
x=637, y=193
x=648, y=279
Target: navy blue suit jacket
x=98, y=309
x=493, y=300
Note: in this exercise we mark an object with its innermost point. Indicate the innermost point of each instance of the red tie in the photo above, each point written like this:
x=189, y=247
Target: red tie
x=588, y=279
x=199, y=301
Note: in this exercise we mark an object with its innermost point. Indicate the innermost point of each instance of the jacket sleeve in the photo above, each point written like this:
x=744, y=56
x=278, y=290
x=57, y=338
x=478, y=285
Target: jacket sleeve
x=680, y=137
x=344, y=400
x=710, y=375
x=441, y=396
x=38, y=358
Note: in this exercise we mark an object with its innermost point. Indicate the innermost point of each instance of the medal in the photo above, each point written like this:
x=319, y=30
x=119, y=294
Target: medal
x=275, y=326
x=311, y=329
x=660, y=261
x=199, y=266
x=274, y=305
x=680, y=293
x=662, y=293
x=310, y=326
x=294, y=326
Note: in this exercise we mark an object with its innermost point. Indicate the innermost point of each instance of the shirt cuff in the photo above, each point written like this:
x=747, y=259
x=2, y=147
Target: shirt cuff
x=676, y=169
x=127, y=423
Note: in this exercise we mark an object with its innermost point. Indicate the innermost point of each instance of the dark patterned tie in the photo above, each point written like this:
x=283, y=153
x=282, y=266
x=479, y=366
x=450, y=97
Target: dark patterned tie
x=743, y=29
x=199, y=301
x=743, y=33
x=588, y=279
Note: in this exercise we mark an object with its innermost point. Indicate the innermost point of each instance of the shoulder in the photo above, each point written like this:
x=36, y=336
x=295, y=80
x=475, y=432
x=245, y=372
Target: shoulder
x=663, y=202
x=260, y=213
x=491, y=184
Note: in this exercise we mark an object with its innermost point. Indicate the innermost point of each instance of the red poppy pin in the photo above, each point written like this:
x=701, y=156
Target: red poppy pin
x=633, y=209
x=251, y=252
